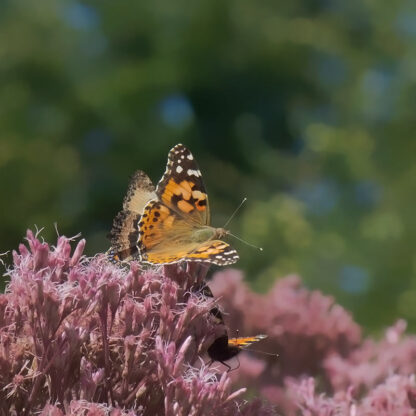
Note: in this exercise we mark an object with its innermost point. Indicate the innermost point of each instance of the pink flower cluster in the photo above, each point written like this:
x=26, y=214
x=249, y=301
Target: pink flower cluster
x=81, y=336
x=316, y=339
x=393, y=397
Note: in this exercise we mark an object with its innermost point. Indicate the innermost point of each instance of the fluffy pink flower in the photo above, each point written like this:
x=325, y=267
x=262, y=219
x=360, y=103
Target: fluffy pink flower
x=393, y=397
x=305, y=401
x=303, y=327
x=316, y=340
x=373, y=361
x=390, y=398
x=81, y=335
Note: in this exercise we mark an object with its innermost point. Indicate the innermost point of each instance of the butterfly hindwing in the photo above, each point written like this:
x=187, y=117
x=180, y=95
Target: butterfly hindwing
x=125, y=233
x=165, y=237
x=214, y=251
x=181, y=187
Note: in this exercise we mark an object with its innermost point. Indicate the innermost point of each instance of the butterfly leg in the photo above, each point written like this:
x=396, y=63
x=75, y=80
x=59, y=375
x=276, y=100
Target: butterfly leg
x=229, y=367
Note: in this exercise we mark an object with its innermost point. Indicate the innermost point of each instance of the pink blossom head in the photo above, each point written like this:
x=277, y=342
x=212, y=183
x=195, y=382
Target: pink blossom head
x=83, y=335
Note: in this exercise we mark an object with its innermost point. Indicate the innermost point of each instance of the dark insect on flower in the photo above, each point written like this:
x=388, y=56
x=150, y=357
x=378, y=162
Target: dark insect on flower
x=224, y=348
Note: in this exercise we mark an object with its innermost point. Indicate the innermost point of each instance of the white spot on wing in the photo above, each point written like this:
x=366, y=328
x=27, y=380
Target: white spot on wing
x=190, y=157
x=193, y=172
x=179, y=169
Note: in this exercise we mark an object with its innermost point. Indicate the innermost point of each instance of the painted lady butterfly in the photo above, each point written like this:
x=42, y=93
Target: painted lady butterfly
x=169, y=224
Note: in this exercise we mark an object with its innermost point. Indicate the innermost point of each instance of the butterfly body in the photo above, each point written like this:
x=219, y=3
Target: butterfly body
x=221, y=351
x=208, y=233
x=171, y=223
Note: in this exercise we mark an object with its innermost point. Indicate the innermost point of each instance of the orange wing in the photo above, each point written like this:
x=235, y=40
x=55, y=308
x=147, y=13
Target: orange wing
x=244, y=342
x=166, y=237
x=181, y=187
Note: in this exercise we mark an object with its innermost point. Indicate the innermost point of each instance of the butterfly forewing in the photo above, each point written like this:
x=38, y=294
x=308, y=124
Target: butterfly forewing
x=224, y=348
x=244, y=342
x=181, y=187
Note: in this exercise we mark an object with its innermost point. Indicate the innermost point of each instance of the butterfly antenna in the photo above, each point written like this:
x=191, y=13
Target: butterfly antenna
x=235, y=212
x=262, y=352
x=245, y=242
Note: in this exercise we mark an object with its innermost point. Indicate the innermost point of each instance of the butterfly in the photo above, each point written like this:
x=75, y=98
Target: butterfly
x=224, y=348
x=171, y=223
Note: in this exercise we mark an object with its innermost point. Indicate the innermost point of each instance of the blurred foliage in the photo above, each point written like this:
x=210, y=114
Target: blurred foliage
x=305, y=107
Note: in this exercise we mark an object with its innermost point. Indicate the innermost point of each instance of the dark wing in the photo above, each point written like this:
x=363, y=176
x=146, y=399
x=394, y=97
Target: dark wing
x=224, y=348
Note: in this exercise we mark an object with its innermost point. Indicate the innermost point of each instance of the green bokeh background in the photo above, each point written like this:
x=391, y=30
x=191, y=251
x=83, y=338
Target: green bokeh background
x=308, y=108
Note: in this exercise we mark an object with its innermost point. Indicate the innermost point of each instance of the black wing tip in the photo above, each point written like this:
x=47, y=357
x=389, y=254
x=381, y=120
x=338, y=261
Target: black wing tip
x=179, y=148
